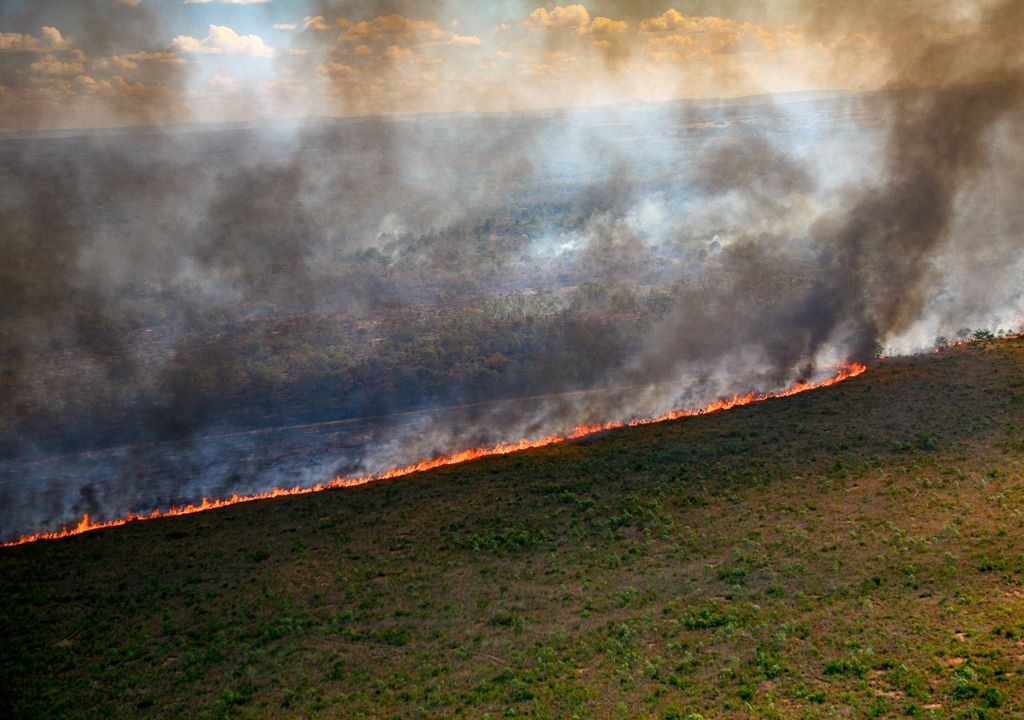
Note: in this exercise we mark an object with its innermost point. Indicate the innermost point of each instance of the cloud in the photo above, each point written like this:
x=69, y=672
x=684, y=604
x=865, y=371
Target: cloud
x=675, y=20
x=90, y=85
x=679, y=37
x=568, y=16
x=394, y=52
x=110, y=40
x=52, y=65
x=409, y=59
x=223, y=2
x=604, y=26
x=315, y=22
x=394, y=27
x=131, y=61
x=618, y=55
x=337, y=70
x=19, y=42
x=554, y=63
x=52, y=41
x=224, y=83
x=115, y=89
x=390, y=29
x=463, y=40
x=674, y=47
x=222, y=40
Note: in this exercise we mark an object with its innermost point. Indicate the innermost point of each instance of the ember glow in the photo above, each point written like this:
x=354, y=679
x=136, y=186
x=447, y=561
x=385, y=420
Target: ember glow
x=86, y=524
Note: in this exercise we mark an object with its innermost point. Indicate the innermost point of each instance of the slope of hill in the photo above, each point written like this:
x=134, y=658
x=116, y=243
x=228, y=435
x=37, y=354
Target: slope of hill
x=851, y=552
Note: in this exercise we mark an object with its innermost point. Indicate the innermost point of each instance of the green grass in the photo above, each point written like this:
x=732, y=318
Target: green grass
x=855, y=552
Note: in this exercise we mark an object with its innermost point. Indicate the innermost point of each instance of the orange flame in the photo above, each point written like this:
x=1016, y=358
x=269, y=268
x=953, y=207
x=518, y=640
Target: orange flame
x=86, y=525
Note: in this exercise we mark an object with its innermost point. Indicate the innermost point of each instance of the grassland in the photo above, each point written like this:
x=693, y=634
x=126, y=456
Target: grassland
x=852, y=552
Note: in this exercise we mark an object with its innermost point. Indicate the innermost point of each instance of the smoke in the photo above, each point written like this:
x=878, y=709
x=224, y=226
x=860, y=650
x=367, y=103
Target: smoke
x=877, y=253
x=102, y=63
x=882, y=246
x=175, y=296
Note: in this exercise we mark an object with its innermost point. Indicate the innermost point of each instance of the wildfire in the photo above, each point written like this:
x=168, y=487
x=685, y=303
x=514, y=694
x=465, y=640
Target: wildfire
x=85, y=524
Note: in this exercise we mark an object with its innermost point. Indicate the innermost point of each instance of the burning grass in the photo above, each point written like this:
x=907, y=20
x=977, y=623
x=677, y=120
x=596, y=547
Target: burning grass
x=87, y=525
x=854, y=552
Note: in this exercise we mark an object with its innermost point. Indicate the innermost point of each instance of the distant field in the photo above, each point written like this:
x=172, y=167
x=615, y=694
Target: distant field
x=851, y=552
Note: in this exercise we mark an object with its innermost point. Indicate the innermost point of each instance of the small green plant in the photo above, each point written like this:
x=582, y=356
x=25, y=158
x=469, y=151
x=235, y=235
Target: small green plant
x=843, y=667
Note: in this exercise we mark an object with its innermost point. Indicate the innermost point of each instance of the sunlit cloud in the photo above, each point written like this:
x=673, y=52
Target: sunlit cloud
x=222, y=40
x=316, y=22
x=552, y=55
x=567, y=16
x=52, y=65
x=52, y=41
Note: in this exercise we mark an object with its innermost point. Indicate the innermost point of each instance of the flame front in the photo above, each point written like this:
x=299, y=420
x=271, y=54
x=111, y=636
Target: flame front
x=85, y=524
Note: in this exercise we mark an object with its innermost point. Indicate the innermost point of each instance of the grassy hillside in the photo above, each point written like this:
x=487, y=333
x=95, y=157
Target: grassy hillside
x=851, y=552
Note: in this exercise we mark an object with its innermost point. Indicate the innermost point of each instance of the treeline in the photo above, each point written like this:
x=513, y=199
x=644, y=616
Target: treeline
x=319, y=366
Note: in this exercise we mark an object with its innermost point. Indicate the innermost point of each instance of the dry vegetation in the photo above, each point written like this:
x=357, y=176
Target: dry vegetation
x=852, y=552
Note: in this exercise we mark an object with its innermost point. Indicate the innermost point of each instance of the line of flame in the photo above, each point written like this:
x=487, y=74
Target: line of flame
x=86, y=525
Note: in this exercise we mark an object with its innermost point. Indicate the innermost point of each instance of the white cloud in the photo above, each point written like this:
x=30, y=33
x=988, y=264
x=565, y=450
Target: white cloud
x=285, y=26
x=224, y=83
x=222, y=40
x=315, y=22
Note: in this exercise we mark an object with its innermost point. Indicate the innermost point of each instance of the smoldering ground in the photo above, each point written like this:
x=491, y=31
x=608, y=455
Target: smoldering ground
x=167, y=292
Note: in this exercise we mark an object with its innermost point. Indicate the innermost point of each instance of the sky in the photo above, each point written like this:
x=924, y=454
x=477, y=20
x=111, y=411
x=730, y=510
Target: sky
x=81, y=63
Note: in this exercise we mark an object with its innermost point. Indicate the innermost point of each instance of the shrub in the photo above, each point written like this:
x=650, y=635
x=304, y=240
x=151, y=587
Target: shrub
x=843, y=667
x=992, y=697
x=705, y=618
